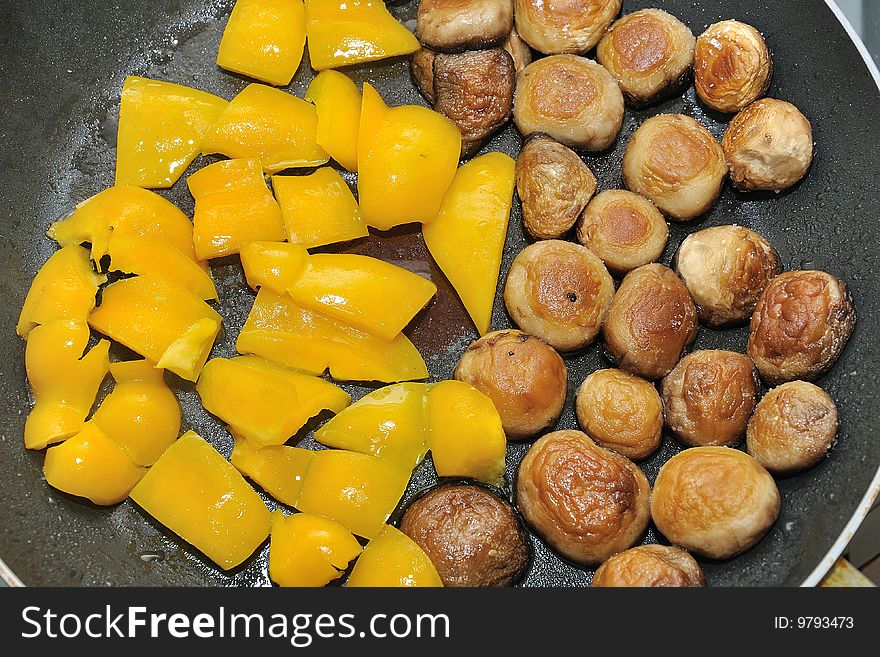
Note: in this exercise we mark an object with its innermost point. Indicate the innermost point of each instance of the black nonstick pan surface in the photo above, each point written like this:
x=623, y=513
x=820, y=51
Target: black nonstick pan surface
x=62, y=65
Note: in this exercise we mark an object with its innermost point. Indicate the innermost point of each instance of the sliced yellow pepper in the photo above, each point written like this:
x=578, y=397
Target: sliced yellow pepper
x=161, y=128
x=64, y=288
x=345, y=32
x=270, y=125
x=393, y=559
x=199, y=496
x=92, y=465
x=160, y=321
x=388, y=423
x=233, y=207
x=318, y=209
x=280, y=330
x=141, y=414
x=407, y=158
x=467, y=237
x=356, y=490
x=264, y=39
x=124, y=210
x=465, y=435
x=64, y=381
x=155, y=257
x=308, y=550
x=277, y=469
x=264, y=402
x=338, y=101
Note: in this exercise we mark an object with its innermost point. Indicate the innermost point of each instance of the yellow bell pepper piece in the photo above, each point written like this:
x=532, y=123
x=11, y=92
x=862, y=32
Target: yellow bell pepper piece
x=273, y=265
x=64, y=288
x=277, y=469
x=345, y=32
x=160, y=321
x=64, y=381
x=308, y=550
x=467, y=237
x=338, y=101
x=154, y=257
x=233, y=207
x=199, y=496
x=161, y=128
x=318, y=209
x=356, y=490
x=92, y=465
x=281, y=331
x=464, y=433
x=262, y=401
x=406, y=161
x=270, y=125
x=264, y=39
x=388, y=423
x=124, y=210
x=141, y=414
x=393, y=559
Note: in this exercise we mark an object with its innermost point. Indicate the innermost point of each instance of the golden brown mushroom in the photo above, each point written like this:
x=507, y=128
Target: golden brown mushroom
x=768, y=146
x=564, y=26
x=650, y=566
x=523, y=376
x=726, y=268
x=624, y=229
x=585, y=501
x=674, y=161
x=650, y=322
x=457, y=25
x=560, y=292
x=709, y=397
x=621, y=412
x=793, y=428
x=554, y=185
x=714, y=501
x=649, y=53
x=732, y=66
x=801, y=324
x=570, y=98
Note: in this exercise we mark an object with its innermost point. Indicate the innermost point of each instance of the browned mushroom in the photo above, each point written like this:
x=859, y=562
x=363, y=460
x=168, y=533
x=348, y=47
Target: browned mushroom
x=564, y=26
x=456, y=25
x=587, y=502
x=650, y=566
x=421, y=69
x=475, y=91
x=518, y=49
x=801, y=324
x=554, y=185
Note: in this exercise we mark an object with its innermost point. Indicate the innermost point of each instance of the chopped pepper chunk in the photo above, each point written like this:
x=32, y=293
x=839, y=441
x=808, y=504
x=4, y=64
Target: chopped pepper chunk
x=277, y=469
x=199, y=496
x=161, y=128
x=393, y=559
x=273, y=265
x=338, y=102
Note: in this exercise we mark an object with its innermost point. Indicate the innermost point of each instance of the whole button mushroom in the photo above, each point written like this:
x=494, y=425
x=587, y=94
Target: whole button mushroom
x=472, y=536
x=523, y=376
x=674, y=161
x=559, y=292
x=624, y=229
x=650, y=322
x=564, y=26
x=457, y=25
x=714, y=501
x=732, y=66
x=554, y=185
x=621, y=412
x=570, y=98
x=726, y=268
x=709, y=397
x=650, y=566
x=793, y=428
x=768, y=146
x=587, y=502
x=801, y=324
x=649, y=53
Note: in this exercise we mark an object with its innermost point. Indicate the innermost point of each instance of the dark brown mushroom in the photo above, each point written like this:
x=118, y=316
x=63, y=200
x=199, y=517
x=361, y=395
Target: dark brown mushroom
x=421, y=69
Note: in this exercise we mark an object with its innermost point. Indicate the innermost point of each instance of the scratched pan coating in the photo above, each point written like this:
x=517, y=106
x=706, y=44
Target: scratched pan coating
x=63, y=65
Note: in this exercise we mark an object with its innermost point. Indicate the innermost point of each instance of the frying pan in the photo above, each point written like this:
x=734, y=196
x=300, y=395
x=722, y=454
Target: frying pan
x=62, y=65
